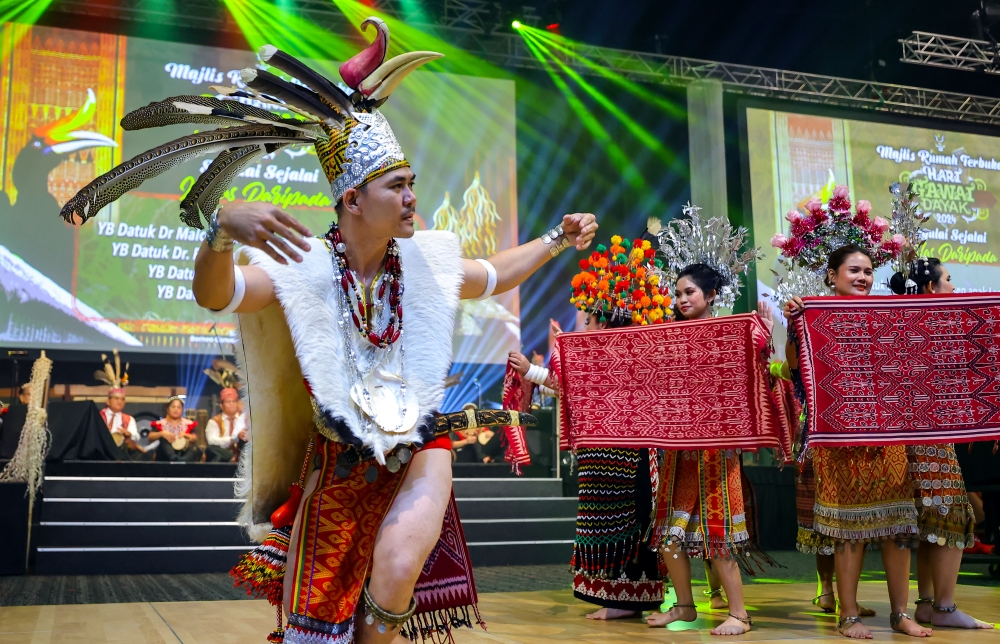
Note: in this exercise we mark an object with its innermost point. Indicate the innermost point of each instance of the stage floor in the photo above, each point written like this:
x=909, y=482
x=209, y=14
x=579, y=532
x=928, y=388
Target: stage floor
x=780, y=611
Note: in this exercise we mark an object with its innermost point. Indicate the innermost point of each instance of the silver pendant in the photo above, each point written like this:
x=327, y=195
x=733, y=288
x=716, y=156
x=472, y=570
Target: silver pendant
x=369, y=619
x=404, y=454
x=393, y=464
x=381, y=627
x=342, y=472
x=341, y=247
x=371, y=474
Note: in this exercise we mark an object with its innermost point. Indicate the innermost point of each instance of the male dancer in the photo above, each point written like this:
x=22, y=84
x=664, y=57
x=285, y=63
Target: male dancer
x=322, y=325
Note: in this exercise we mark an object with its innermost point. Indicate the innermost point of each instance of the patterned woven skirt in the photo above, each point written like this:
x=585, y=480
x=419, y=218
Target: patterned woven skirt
x=807, y=540
x=945, y=516
x=701, y=505
x=864, y=494
x=611, y=564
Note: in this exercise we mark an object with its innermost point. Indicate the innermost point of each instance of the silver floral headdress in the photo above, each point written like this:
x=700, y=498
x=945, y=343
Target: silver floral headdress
x=714, y=242
x=908, y=221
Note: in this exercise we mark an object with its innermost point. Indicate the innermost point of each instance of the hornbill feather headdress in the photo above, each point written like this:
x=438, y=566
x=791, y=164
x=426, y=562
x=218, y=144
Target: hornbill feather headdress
x=353, y=140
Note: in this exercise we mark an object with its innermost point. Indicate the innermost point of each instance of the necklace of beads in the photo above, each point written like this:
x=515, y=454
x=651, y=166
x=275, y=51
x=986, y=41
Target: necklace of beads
x=364, y=316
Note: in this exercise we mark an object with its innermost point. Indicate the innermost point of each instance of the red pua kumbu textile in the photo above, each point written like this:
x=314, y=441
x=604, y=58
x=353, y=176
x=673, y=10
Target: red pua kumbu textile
x=517, y=393
x=915, y=370
x=692, y=385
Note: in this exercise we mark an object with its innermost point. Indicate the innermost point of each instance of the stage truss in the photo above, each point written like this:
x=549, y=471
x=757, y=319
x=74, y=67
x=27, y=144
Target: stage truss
x=951, y=52
x=482, y=27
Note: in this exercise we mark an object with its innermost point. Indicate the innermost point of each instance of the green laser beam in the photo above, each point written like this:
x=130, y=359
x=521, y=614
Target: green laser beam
x=645, y=93
x=23, y=11
x=637, y=130
x=620, y=159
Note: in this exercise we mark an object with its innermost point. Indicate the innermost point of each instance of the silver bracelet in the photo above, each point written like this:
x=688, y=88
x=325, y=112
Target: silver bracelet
x=552, y=235
x=217, y=238
x=562, y=245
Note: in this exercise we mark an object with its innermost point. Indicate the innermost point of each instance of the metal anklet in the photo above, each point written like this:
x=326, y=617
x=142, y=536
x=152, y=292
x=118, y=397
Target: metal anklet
x=944, y=609
x=896, y=618
x=713, y=593
x=385, y=617
x=924, y=600
x=745, y=620
x=850, y=619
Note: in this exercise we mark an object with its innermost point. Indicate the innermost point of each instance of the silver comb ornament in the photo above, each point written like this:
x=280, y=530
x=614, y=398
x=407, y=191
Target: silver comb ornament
x=908, y=221
x=713, y=241
x=370, y=146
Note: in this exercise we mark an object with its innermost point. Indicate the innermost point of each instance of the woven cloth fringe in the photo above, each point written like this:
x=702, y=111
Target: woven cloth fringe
x=603, y=562
x=516, y=396
x=262, y=570
x=905, y=512
x=436, y=626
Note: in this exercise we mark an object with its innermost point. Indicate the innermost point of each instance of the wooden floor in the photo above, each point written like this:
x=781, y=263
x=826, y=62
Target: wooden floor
x=779, y=613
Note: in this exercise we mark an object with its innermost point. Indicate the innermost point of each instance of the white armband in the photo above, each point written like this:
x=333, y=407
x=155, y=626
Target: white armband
x=491, y=279
x=537, y=375
x=238, y=292
x=551, y=393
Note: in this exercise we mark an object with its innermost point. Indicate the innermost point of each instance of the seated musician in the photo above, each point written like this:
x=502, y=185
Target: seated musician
x=226, y=433
x=122, y=426
x=178, y=440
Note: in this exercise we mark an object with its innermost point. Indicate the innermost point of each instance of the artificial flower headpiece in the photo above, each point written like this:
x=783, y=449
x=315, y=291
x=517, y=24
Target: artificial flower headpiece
x=353, y=140
x=713, y=242
x=824, y=228
x=622, y=283
x=114, y=376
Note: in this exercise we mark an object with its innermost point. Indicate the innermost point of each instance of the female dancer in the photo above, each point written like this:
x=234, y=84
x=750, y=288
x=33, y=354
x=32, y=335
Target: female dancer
x=692, y=482
x=612, y=566
x=945, y=518
x=863, y=494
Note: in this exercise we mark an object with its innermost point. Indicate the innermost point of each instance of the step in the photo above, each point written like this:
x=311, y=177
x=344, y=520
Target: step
x=506, y=530
x=139, y=487
x=517, y=508
x=119, y=509
x=125, y=468
x=67, y=534
x=136, y=561
x=521, y=553
x=506, y=487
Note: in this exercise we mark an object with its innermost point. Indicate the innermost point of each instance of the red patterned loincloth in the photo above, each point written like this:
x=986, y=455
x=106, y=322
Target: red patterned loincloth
x=908, y=370
x=700, y=384
x=516, y=396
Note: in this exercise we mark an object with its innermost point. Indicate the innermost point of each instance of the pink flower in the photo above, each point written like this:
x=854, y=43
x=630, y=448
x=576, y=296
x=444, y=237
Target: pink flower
x=864, y=207
x=779, y=240
x=792, y=248
x=793, y=216
x=841, y=200
x=899, y=240
x=880, y=225
x=814, y=206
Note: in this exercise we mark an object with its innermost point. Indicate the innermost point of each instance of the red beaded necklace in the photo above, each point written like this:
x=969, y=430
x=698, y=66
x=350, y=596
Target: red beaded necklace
x=364, y=319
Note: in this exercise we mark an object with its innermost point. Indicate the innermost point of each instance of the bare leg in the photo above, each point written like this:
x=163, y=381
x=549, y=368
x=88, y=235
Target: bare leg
x=925, y=583
x=944, y=564
x=408, y=534
x=729, y=575
x=896, y=562
x=680, y=576
x=978, y=513
x=825, y=598
x=848, y=559
x=716, y=600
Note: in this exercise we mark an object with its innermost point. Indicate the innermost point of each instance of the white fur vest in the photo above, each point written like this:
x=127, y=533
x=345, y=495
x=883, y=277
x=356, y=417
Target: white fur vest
x=301, y=338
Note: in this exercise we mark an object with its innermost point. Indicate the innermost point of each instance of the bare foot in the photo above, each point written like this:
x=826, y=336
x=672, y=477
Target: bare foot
x=826, y=602
x=731, y=626
x=718, y=602
x=612, y=613
x=675, y=614
x=954, y=619
x=856, y=631
x=909, y=627
x=924, y=612
x=865, y=612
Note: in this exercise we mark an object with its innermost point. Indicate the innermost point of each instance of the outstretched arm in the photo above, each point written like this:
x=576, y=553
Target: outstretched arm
x=516, y=264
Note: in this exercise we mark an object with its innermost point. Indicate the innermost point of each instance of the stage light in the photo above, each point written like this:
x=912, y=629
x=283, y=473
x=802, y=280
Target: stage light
x=516, y=24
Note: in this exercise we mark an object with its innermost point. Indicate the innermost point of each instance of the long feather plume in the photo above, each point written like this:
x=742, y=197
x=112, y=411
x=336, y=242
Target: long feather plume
x=300, y=71
x=204, y=196
x=110, y=186
x=118, y=365
x=297, y=95
x=103, y=377
x=207, y=109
